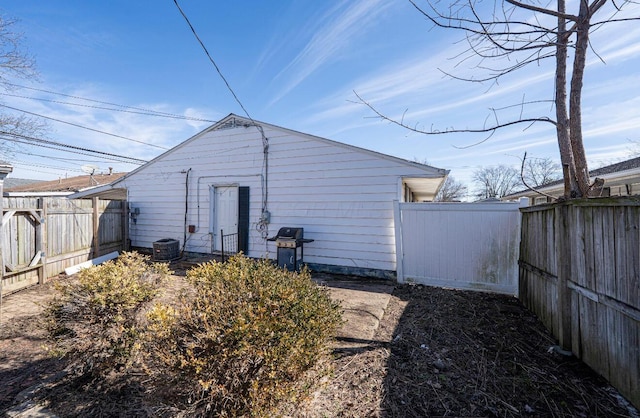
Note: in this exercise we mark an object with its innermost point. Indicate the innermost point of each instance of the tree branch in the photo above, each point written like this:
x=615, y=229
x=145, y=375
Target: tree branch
x=543, y=10
x=524, y=159
x=628, y=19
x=490, y=129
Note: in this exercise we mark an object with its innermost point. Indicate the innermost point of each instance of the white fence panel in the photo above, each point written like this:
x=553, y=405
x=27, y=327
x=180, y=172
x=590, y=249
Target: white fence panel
x=459, y=245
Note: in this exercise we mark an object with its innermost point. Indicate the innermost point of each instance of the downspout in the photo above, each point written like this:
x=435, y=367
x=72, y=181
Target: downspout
x=186, y=209
x=265, y=216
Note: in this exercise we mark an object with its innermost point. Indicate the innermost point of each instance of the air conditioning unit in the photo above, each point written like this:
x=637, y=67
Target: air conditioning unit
x=166, y=249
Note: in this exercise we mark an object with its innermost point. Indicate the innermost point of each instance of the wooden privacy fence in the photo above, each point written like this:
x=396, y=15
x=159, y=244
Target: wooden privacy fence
x=459, y=245
x=43, y=236
x=579, y=272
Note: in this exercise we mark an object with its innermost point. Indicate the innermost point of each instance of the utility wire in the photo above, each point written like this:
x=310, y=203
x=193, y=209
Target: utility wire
x=44, y=172
x=212, y=61
x=263, y=226
x=84, y=160
x=32, y=164
x=24, y=139
x=83, y=127
x=18, y=141
x=145, y=112
x=102, y=102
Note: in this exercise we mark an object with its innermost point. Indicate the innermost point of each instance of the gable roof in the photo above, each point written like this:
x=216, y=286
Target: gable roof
x=233, y=120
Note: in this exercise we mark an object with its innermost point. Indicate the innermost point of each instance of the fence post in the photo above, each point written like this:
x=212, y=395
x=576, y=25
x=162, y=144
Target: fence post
x=45, y=240
x=125, y=226
x=96, y=227
x=222, y=244
x=397, y=222
x=5, y=169
x=40, y=228
x=564, y=250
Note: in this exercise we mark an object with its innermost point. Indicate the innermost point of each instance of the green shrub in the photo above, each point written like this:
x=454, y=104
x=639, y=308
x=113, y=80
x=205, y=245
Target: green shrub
x=95, y=319
x=243, y=341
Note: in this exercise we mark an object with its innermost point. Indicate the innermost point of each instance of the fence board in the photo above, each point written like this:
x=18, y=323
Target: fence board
x=632, y=245
x=608, y=270
x=602, y=282
x=66, y=237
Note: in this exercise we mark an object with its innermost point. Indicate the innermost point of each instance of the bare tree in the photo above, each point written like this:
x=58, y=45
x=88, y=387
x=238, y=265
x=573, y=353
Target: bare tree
x=496, y=181
x=516, y=33
x=540, y=171
x=15, y=62
x=634, y=147
x=451, y=191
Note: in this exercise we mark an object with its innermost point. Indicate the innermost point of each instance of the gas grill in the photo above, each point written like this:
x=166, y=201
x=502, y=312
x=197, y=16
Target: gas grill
x=288, y=241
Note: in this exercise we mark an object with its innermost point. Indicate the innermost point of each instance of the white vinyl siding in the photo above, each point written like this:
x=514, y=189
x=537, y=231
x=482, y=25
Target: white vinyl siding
x=342, y=196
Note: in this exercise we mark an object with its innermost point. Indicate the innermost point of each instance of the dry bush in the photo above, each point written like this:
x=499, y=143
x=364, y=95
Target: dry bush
x=241, y=343
x=94, y=320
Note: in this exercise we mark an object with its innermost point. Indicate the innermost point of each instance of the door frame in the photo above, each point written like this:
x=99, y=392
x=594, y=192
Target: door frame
x=214, y=228
x=242, y=220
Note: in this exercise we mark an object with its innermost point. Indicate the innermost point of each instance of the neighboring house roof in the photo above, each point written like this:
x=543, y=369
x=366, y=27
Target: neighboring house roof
x=417, y=184
x=621, y=173
x=66, y=186
x=632, y=164
x=10, y=182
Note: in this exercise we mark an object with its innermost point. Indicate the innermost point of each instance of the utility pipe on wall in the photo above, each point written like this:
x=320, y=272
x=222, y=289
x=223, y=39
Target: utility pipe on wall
x=186, y=208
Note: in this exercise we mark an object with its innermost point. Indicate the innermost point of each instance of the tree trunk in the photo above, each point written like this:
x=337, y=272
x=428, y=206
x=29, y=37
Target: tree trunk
x=575, y=114
x=562, y=126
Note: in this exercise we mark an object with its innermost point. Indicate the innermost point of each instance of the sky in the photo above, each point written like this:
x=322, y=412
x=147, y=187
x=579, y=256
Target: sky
x=298, y=64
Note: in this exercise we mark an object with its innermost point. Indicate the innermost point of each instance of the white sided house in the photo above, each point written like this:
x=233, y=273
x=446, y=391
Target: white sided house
x=253, y=178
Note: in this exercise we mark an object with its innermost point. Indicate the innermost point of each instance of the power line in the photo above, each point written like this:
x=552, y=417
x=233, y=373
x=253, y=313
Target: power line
x=144, y=112
x=263, y=226
x=40, y=171
x=69, y=161
x=102, y=102
x=32, y=164
x=29, y=140
x=84, y=160
x=64, y=150
x=212, y=61
x=83, y=127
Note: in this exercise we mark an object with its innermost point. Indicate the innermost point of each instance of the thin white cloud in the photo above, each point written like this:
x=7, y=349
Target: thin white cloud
x=160, y=131
x=341, y=27
x=420, y=87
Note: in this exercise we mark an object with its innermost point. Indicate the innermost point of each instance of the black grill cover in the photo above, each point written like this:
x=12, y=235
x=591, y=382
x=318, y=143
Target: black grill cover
x=289, y=233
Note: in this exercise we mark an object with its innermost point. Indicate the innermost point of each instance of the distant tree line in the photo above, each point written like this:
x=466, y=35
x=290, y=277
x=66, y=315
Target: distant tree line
x=494, y=182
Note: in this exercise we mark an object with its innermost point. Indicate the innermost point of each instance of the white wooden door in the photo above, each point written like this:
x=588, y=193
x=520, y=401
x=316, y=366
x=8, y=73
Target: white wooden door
x=224, y=212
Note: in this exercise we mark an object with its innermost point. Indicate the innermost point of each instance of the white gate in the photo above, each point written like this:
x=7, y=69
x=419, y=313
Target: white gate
x=459, y=245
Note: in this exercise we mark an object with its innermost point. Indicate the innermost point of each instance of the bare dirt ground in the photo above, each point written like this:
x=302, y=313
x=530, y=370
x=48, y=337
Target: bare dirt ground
x=453, y=353
x=23, y=362
x=436, y=353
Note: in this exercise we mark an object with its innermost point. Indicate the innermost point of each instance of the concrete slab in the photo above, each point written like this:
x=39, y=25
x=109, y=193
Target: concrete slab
x=363, y=303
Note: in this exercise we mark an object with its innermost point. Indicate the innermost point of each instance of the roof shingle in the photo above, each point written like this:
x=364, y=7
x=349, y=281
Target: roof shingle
x=71, y=184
